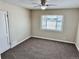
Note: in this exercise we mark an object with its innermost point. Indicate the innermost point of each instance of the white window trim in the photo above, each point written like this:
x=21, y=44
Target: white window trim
x=50, y=29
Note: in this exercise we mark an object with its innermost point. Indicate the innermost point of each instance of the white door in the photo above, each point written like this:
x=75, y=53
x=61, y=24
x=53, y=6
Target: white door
x=77, y=40
x=4, y=34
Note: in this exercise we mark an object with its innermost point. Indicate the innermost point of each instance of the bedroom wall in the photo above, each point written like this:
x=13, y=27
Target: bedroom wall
x=19, y=22
x=69, y=25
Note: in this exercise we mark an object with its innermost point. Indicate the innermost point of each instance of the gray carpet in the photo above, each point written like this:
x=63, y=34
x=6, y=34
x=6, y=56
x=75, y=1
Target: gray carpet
x=35, y=48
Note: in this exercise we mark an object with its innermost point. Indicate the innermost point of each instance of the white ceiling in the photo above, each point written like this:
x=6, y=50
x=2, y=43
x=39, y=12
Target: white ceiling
x=31, y=3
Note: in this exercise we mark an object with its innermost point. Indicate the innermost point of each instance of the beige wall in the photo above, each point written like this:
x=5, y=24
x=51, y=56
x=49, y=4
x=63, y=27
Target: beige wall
x=69, y=26
x=19, y=22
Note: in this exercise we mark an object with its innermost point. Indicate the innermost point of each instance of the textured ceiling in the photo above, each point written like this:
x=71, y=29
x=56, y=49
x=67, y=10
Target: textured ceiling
x=31, y=3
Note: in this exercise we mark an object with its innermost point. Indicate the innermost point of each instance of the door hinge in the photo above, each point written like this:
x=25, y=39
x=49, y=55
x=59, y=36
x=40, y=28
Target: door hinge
x=10, y=43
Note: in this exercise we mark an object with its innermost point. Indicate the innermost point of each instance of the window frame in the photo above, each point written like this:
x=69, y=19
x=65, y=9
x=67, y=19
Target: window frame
x=50, y=29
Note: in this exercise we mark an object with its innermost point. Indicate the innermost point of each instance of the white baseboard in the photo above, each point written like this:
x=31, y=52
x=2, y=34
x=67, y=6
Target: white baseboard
x=54, y=39
x=77, y=47
x=16, y=43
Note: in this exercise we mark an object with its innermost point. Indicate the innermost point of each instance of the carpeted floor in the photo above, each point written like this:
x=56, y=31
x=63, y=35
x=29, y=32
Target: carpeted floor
x=35, y=48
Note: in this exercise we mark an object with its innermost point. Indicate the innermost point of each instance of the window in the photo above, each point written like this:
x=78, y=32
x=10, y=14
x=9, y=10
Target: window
x=52, y=22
